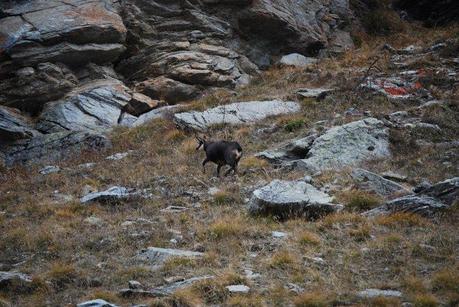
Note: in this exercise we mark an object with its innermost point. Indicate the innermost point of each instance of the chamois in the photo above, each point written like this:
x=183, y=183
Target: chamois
x=221, y=153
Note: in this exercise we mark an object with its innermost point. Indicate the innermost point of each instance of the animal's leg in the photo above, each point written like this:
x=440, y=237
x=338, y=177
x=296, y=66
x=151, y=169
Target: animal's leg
x=232, y=168
x=203, y=165
x=218, y=169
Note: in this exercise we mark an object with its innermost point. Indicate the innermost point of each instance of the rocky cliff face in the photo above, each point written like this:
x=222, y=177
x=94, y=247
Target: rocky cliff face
x=79, y=65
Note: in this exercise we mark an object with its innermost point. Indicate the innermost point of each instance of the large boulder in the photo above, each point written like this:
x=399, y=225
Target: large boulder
x=289, y=199
x=169, y=90
x=235, y=114
x=14, y=126
x=95, y=107
x=80, y=31
x=52, y=147
x=348, y=145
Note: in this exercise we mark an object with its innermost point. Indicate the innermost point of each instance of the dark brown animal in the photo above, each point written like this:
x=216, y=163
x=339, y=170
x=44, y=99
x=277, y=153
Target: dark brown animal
x=221, y=153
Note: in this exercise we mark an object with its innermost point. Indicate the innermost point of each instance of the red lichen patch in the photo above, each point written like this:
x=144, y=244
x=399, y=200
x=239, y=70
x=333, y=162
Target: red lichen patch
x=396, y=91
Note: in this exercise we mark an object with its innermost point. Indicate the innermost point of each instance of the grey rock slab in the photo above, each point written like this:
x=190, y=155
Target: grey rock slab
x=422, y=205
x=238, y=289
x=49, y=169
x=297, y=60
x=14, y=126
x=171, y=288
x=95, y=107
x=96, y=303
x=292, y=150
x=49, y=148
x=367, y=180
x=14, y=279
x=347, y=145
x=278, y=234
x=372, y=293
x=235, y=113
x=446, y=191
x=157, y=255
x=115, y=193
x=319, y=93
x=291, y=198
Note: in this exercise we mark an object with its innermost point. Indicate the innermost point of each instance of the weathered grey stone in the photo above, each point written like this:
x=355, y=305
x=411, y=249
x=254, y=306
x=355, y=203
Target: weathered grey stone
x=235, y=114
x=81, y=32
x=348, y=145
x=238, y=289
x=140, y=104
x=14, y=126
x=53, y=147
x=292, y=150
x=318, y=93
x=49, y=169
x=157, y=255
x=446, y=191
x=297, y=60
x=114, y=194
x=291, y=198
x=167, y=89
x=422, y=205
x=367, y=180
x=96, y=303
x=94, y=107
x=372, y=293
x=15, y=281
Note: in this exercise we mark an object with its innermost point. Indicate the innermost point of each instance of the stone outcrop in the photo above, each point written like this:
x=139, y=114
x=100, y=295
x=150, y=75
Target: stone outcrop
x=29, y=88
x=95, y=107
x=14, y=126
x=289, y=199
x=427, y=201
x=52, y=147
x=72, y=72
x=80, y=32
x=370, y=181
x=235, y=114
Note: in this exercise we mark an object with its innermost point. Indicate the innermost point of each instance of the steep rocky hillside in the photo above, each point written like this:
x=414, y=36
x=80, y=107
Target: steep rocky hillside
x=346, y=193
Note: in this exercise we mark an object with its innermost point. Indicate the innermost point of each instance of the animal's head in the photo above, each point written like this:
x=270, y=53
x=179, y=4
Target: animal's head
x=201, y=142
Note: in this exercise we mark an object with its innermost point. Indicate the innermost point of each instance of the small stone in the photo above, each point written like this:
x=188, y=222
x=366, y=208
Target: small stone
x=118, y=156
x=250, y=274
x=96, y=303
x=278, y=234
x=297, y=60
x=92, y=220
x=174, y=209
x=213, y=191
x=49, y=169
x=372, y=293
x=134, y=284
x=240, y=289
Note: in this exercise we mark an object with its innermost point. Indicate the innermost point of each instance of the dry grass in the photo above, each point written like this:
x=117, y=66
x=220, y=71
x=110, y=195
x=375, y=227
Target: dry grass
x=50, y=240
x=401, y=219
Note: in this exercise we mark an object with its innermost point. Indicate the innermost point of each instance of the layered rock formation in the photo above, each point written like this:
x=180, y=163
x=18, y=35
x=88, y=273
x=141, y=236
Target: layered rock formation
x=98, y=64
